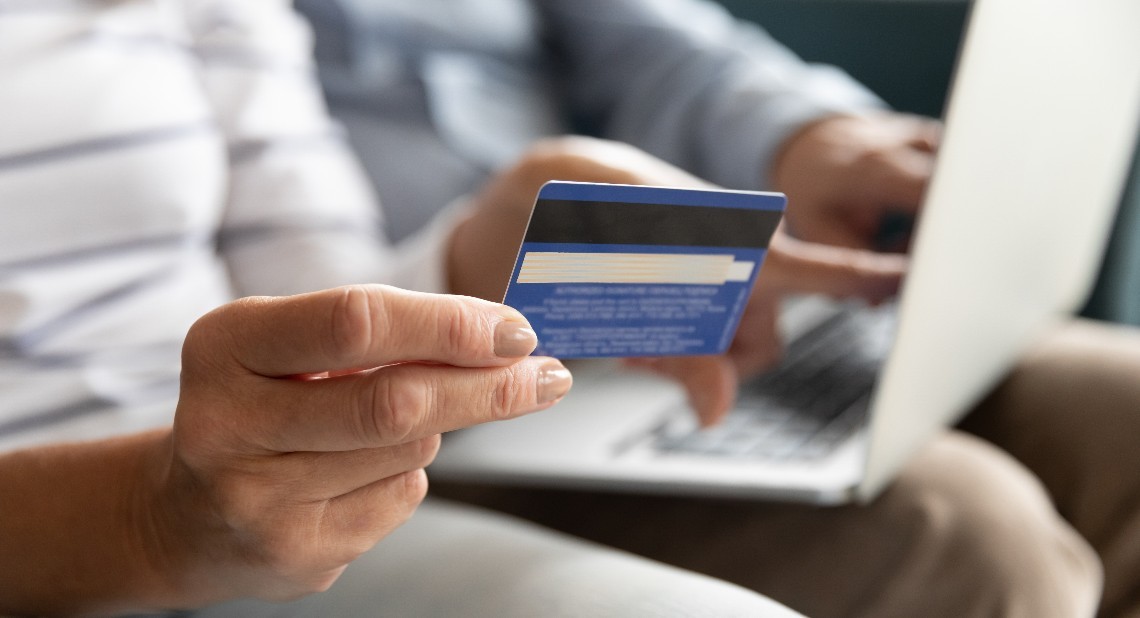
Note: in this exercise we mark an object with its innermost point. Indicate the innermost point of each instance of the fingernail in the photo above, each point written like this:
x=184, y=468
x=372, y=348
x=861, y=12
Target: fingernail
x=514, y=339
x=554, y=381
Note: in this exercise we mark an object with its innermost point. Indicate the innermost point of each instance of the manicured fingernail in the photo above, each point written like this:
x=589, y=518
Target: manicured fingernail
x=514, y=339
x=554, y=381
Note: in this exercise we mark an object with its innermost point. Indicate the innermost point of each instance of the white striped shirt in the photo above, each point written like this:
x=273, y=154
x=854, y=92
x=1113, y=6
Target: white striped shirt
x=159, y=158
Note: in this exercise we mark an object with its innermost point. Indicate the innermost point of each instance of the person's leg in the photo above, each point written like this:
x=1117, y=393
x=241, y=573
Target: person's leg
x=965, y=531
x=452, y=560
x=1071, y=413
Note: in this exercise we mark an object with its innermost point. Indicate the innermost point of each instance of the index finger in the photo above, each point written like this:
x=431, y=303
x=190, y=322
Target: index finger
x=794, y=266
x=397, y=404
x=361, y=326
x=709, y=381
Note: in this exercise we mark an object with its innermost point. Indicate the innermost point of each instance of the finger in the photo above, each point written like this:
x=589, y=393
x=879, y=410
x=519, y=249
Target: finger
x=757, y=345
x=398, y=403
x=355, y=522
x=901, y=182
x=315, y=476
x=359, y=327
x=794, y=266
x=709, y=381
x=896, y=176
x=926, y=135
x=854, y=231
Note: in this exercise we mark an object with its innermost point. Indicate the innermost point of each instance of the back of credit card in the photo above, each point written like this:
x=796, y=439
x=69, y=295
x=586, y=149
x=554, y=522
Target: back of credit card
x=622, y=270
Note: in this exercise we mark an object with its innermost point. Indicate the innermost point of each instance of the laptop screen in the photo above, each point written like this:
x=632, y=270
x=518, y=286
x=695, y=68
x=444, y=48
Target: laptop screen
x=1040, y=129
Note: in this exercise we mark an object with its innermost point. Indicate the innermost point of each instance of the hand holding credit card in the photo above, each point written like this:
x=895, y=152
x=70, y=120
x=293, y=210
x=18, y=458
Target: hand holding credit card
x=626, y=271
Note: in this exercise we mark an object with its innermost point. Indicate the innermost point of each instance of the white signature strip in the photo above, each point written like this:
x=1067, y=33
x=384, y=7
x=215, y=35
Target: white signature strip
x=552, y=267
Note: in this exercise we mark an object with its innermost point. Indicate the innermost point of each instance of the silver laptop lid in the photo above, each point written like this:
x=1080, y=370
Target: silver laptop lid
x=1041, y=126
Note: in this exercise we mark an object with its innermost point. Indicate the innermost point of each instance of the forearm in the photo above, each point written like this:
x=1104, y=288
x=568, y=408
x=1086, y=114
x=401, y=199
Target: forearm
x=686, y=82
x=75, y=528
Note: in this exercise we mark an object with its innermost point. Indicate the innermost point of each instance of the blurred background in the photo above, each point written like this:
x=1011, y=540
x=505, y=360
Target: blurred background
x=904, y=50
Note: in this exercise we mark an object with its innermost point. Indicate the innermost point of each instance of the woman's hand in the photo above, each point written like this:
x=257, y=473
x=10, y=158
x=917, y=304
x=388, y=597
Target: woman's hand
x=846, y=176
x=842, y=175
x=305, y=422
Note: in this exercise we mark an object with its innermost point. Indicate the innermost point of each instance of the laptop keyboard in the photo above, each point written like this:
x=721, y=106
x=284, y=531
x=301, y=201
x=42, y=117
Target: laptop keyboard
x=807, y=405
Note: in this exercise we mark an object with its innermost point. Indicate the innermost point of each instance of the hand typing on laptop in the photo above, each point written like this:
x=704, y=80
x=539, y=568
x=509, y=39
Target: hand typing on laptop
x=846, y=175
x=890, y=149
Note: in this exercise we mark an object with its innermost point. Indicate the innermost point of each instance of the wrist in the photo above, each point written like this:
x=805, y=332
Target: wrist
x=187, y=549
x=799, y=145
x=80, y=540
x=159, y=539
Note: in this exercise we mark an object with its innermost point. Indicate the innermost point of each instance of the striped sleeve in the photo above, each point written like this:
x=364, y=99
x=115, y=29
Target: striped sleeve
x=300, y=214
x=685, y=81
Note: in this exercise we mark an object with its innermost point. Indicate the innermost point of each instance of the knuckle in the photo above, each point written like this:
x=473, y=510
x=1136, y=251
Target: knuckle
x=240, y=502
x=194, y=437
x=427, y=449
x=210, y=344
x=294, y=543
x=197, y=339
x=291, y=560
x=399, y=407
x=582, y=158
x=389, y=504
x=371, y=399
x=300, y=586
x=323, y=581
x=413, y=491
x=877, y=164
x=279, y=537
x=461, y=329
x=279, y=555
x=556, y=149
x=352, y=326
x=508, y=395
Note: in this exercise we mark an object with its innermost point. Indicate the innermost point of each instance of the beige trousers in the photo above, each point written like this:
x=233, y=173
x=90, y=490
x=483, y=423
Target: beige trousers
x=1031, y=508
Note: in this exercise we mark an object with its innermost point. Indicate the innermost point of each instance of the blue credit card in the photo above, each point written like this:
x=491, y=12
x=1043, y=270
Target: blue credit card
x=621, y=270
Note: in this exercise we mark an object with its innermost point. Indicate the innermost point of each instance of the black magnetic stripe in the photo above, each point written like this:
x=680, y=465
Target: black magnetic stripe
x=620, y=223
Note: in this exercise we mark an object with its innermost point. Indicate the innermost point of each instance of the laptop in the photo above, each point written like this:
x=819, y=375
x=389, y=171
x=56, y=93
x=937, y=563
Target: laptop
x=1040, y=130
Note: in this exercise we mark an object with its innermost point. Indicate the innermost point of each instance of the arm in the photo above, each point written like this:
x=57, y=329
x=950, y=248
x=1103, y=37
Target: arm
x=300, y=213
x=71, y=526
x=215, y=508
x=300, y=438
x=686, y=82
x=791, y=266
